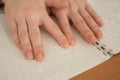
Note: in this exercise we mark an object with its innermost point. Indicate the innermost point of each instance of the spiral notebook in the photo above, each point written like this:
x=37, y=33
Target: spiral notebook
x=61, y=64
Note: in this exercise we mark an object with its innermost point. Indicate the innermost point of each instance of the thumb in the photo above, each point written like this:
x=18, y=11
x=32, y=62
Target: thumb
x=59, y=4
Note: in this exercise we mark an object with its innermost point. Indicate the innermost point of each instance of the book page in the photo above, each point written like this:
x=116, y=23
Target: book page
x=110, y=11
x=59, y=64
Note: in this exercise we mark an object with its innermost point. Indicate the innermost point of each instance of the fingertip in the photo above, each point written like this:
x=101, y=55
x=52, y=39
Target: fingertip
x=65, y=45
x=92, y=39
x=72, y=41
x=29, y=55
x=100, y=22
x=39, y=57
x=99, y=35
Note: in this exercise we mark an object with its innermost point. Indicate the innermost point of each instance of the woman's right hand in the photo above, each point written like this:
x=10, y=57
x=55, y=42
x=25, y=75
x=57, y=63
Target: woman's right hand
x=24, y=18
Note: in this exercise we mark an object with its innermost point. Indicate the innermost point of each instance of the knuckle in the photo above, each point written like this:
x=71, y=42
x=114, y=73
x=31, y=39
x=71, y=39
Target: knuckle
x=23, y=33
x=70, y=36
x=34, y=13
x=97, y=31
x=79, y=21
x=28, y=10
x=73, y=8
x=88, y=17
x=34, y=34
x=18, y=14
x=94, y=26
x=38, y=48
x=61, y=38
x=65, y=24
x=68, y=31
x=26, y=46
x=87, y=32
x=31, y=13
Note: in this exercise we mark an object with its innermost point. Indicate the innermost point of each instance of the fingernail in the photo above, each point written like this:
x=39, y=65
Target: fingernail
x=29, y=55
x=39, y=57
x=65, y=45
x=93, y=39
x=101, y=23
x=100, y=35
x=72, y=41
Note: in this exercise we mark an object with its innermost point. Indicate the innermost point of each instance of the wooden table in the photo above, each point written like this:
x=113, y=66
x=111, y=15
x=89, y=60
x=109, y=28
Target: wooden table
x=109, y=70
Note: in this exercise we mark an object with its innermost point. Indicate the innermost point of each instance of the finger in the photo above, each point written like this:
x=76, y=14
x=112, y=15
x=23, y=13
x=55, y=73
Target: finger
x=95, y=16
x=82, y=27
x=59, y=4
x=13, y=28
x=65, y=26
x=55, y=31
x=36, y=40
x=91, y=23
x=23, y=34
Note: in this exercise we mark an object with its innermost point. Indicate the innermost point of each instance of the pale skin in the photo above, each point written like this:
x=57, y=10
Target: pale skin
x=24, y=18
x=84, y=18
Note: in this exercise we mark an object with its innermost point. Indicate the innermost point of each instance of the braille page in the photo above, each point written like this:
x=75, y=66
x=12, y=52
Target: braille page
x=112, y=32
x=59, y=64
x=110, y=12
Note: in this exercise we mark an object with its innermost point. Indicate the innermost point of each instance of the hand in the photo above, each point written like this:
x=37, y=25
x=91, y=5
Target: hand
x=58, y=4
x=24, y=18
x=84, y=18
